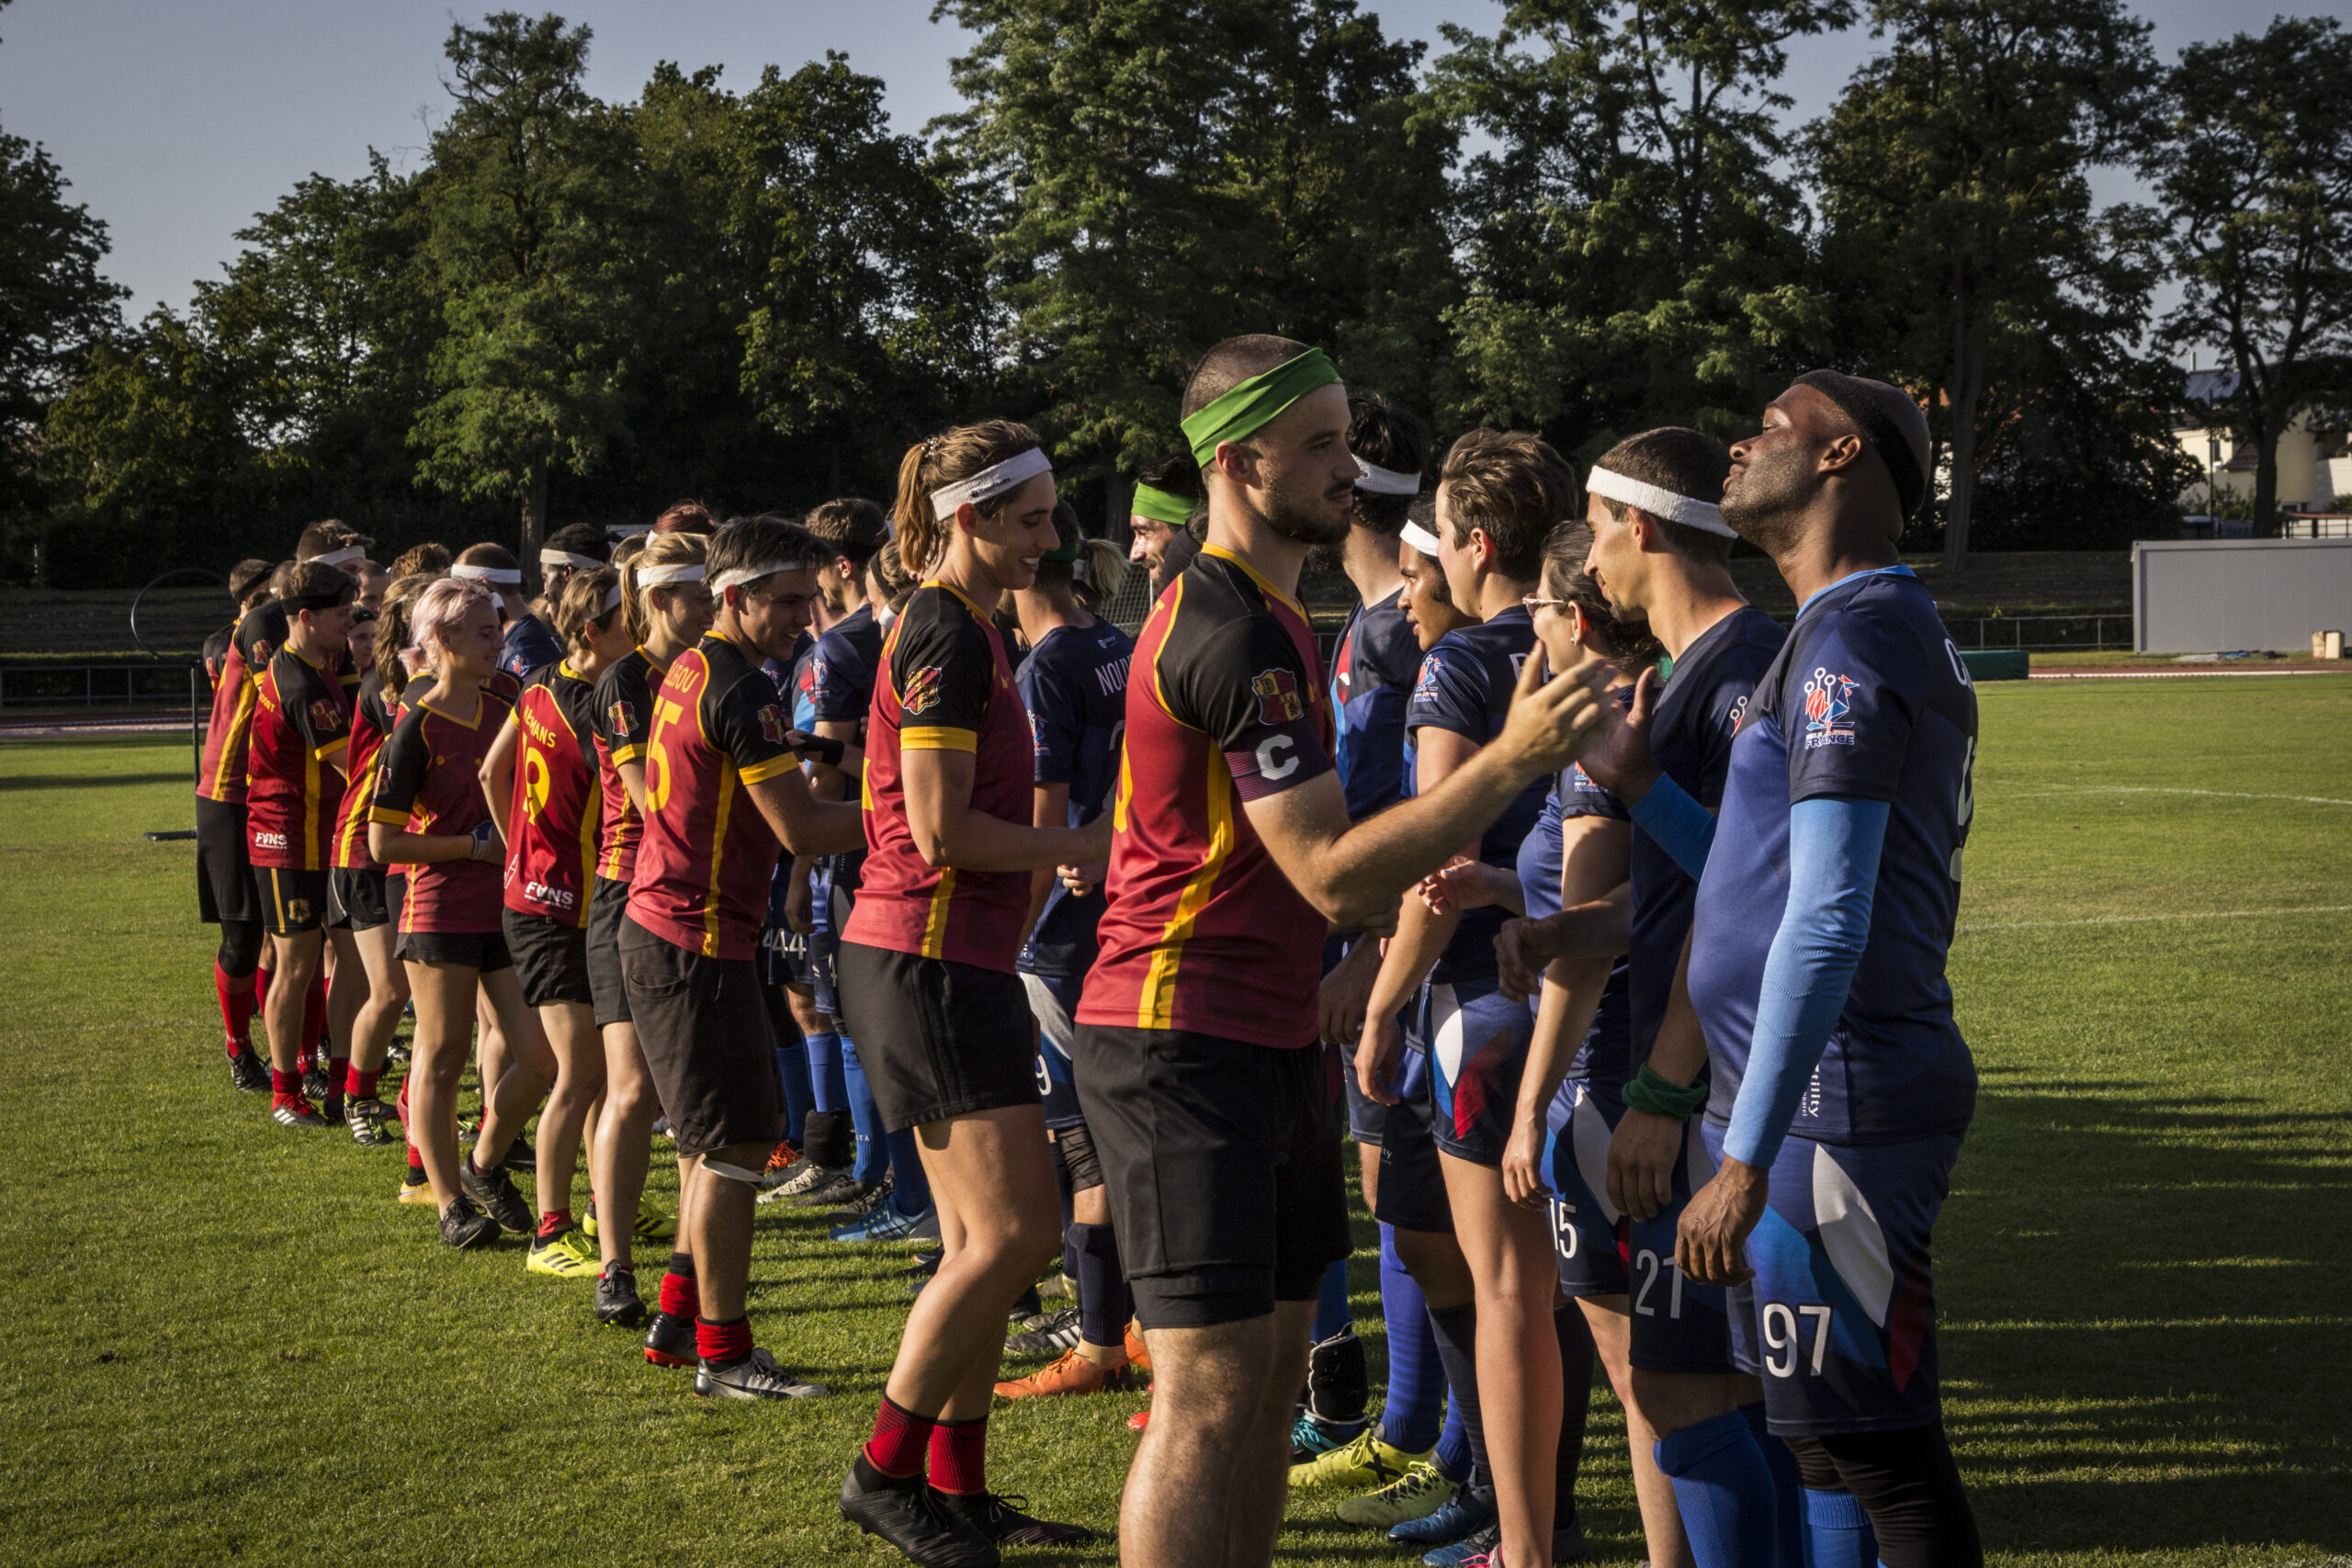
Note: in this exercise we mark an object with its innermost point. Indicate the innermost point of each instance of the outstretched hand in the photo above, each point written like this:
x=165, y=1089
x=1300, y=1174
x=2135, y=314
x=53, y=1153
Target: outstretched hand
x=1618, y=756
x=1551, y=721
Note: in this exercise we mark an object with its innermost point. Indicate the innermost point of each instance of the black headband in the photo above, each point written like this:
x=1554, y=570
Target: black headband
x=1892, y=448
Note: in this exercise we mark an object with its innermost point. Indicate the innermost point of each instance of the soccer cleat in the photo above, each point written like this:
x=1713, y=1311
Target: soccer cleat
x=756, y=1376
x=292, y=1111
x=912, y=1517
x=1312, y=1437
x=884, y=1223
x=314, y=1083
x=365, y=1118
x=1001, y=1520
x=395, y=1052
x=1058, y=1333
x=1358, y=1466
x=1462, y=1514
x=1416, y=1495
x=496, y=1194
x=925, y=1265
x=863, y=1202
x=654, y=1222
x=807, y=1175
x=670, y=1341
x=521, y=1157
x=616, y=1299
x=783, y=1164
x=246, y=1072
x=1138, y=1353
x=1056, y=1287
x=463, y=1225
x=661, y=1129
x=1070, y=1372
x=841, y=1187
x=417, y=1191
x=567, y=1254
x=1140, y=1420
x=1484, y=1549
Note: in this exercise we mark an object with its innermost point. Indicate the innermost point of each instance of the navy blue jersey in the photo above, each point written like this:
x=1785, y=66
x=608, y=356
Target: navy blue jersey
x=528, y=645
x=840, y=671
x=1074, y=685
x=796, y=687
x=1868, y=699
x=1464, y=686
x=1371, y=677
x=1690, y=734
x=1605, y=1049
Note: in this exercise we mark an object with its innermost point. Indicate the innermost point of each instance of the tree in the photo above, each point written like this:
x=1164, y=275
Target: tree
x=2254, y=172
x=1953, y=175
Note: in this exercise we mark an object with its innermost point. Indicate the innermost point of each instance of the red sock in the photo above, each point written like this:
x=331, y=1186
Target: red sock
x=899, y=1437
x=261, y=990
x=680, y=1291
x=359, y=1084
x=285, y=1086
x=959, y=1456
x=416, y=1163
x=338, y=1073
x=722, y=1341
x=554, y=1222
x=236, y=1009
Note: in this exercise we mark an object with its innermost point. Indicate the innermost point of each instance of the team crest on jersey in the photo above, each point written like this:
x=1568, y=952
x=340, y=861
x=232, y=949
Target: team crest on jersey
x=263, y=648
x=326, y=718
x=1277, y=694
x=1738, y=713
x=771, y=725
x=922, y=692
x=624, y=717
x=1828, y=709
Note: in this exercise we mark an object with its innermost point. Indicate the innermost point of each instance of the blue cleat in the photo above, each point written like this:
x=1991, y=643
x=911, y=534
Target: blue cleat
x=884, y=1223
x=1457, y=1518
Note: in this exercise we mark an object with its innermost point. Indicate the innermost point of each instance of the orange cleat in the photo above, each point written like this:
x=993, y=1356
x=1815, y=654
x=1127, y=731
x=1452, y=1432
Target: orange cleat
x=1138, y=1356
x=1070, y=1372
x=1138, y=1421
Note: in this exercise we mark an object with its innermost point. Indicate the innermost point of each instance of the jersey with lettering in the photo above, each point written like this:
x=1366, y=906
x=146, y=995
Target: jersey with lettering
x=1225, y=704
x=428, y=780
x=1574, y=795
x=371, y=722
x=299, y=734
x=946, y=685
x=551, y=826
x=1693, y=723
x=1372, y=669
x=1074, y=685
x=708, y=854
x=841, y=691
x=1868, y=700
x=220, y=773
x=622, y=723
x=1465, y=687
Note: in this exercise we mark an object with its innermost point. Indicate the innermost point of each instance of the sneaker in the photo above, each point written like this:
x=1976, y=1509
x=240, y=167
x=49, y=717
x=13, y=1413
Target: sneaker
x=417, y=1191
x=365, y=1118
x=925, y=1265
x=315, y=1085
x=756, y=1376
x=1463, y=1514
x=1057, y=1334
x=616, y=1300
x=395, y=1052
x=246, y=1073
x=1138, y=1353
x=1056, y=1288
x=783, y=1166
x=1311, y=1437
x=884, y=1223
x=807, y=1175
x=521, y=1157
x=1001, y=1520
x=1484, y=1550
x=670, y=1341
x=567, y=1254
x=1358, y=1466
x=1138, y=1421
x=661, y=1129
x=463, y=1225
x=654, y=1222
x=864, y=1204
x=838, y=1188
x=911, y=1517
x=292, y=1111
x=1028, y=1313
x=1070, y=1372
x=495, y=1192
x=1416, y=1495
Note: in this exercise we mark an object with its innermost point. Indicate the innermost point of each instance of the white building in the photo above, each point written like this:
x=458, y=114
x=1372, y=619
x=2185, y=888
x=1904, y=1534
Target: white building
x=2314, y=465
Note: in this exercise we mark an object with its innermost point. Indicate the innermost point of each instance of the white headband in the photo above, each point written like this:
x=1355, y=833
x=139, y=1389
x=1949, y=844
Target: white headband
x=1421, y=539
x=344, y=557
x=654, y=576
x=1703, y=516
x=612, y=599
x=565, y=557
x=488, y=573
x=991, y=482
x=1377, y=481
x=736, y=576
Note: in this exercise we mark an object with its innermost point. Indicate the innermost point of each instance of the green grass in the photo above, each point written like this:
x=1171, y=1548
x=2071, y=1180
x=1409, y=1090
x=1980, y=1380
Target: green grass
x=229, y=1342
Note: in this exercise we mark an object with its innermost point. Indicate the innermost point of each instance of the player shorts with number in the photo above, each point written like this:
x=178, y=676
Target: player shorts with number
x=1679, y=1324
x=1053, y=999
x=1478, y=1043
x=1588, y=1233
x=1844, y=1324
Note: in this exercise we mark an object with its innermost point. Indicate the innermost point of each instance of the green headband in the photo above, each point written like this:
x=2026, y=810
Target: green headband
x=1251, y=406
x=1160, y=506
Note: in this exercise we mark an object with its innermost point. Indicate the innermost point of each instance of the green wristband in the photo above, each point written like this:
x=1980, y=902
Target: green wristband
x=1645, y=1091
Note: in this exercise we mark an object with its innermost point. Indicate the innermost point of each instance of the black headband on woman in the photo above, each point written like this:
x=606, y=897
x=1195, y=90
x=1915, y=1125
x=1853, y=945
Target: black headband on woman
x=1893, y=447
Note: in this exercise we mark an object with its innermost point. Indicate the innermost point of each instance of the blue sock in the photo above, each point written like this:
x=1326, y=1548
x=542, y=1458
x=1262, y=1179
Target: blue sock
x=1837, y=1531
x=1789, y=1509
x=1416, y=1398
x=1331, y=1312
x=1452, y=1454
x=792, y=1066
x=1455, y=1329
x=872, y=1150
x=1724, y=1491
x=1091, y=1253
x=910, y=1188
x=825, y=1083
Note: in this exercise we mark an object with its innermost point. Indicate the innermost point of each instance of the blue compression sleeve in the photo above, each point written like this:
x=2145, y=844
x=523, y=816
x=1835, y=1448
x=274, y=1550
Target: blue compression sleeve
x=1683, y=827
x=1834, y=844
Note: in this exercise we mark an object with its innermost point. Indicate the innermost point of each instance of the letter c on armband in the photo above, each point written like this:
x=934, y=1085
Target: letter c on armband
x=1271, y=747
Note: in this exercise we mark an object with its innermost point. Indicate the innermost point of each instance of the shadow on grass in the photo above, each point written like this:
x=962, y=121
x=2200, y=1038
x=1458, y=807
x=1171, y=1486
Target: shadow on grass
x=15, y=781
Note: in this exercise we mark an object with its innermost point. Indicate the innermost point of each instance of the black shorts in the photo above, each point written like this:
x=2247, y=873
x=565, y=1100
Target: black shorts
x=226, y=889
x=1224, y=1167
x=292, y=902
x=605, y=911
x=357, y=901
x=1412, y=1186
x=550, y=959
x=395, y=893
x=937, y=1039
x=484, y=951
x=703, y=1025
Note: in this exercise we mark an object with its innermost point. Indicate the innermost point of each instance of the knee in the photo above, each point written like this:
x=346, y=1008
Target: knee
x=241, y=945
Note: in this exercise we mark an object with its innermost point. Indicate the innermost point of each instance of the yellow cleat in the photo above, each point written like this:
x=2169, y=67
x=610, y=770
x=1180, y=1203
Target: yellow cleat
x=652, y=1222
x=1361, y=1466
x=418, y=1192
x=567, y=1254
x=1416, y=1495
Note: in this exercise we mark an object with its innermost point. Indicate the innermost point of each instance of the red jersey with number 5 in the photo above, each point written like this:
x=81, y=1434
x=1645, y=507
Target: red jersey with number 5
x=551, y=823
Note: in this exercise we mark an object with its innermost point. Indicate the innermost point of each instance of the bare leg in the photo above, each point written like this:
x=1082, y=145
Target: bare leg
x=508, y=1101
x=348, y=984
x=1661, y=1519
x=1509, y=1250
x=720, y=1224
x=379, y=1012
x=570, y=1030
x=444, y=1009
x=1434, y=1260
x=298, y=957
x=622, y=1149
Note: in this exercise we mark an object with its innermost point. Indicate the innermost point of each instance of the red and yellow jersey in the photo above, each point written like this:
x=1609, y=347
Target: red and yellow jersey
x=551, y=826
x=622, y=724
x=428, y=780
x=294, y=759
x=236, y=687
x=707, y=854
x=946, y=685
x=371, y=721
x=1225, y=703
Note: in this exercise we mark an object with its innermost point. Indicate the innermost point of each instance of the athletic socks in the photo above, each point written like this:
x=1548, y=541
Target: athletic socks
x=959, y=1456
x=1331, y=1312
x=1416, y=1398
x=680, y=1291
x=900, y=1441
x=338, y=1073
x=826, y=1138
x=1453, y=1455
x=285, y=1086
x=1789, y=1538
x=554, y=1222
x=1092, y=1254
x=359, y=1084
x=1723, y=1489
x=236, y=996
x=1455, y=1330
x=792, y=1069
x=873, y=1151
x=910, y=1188
x=1576, y=1401
x=1837, y=1531
x=827, y=1090
x=722, y=1342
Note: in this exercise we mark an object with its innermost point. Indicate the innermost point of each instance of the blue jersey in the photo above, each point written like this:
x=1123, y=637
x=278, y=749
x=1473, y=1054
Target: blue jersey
x=1464, y=686
x=1604, y=1051
x=1371, y=676
x=797, y=686
x=1868, y=699
x=1690, y=734
x=1074, y=685
x=839, y=672
x=528, y=645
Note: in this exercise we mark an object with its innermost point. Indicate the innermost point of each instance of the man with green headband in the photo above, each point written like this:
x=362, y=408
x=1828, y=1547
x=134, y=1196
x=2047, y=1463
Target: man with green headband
x=1167, y=495
x=1213, y=1109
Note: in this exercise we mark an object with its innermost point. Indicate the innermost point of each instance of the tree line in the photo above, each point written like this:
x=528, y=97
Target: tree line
x=1595, y=219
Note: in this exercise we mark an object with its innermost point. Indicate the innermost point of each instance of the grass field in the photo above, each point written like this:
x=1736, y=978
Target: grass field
x=230, y=1343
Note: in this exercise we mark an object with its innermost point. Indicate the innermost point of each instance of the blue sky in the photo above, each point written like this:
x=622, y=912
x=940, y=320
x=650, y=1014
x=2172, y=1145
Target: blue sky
x=177, y=119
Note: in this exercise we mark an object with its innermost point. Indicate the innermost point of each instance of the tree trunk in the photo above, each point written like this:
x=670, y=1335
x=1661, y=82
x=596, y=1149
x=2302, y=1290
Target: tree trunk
x=535, y=525
x=2266, y=483
x=1118, y=503
x=1967, y=393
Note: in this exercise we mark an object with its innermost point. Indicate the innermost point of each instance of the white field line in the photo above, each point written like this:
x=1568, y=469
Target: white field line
x=2144, y=920
x=2198, y=674
x=2159, y=789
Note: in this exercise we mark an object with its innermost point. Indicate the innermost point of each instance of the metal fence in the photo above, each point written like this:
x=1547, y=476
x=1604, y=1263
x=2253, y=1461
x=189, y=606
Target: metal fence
x=87, y=685
x=2043, y=633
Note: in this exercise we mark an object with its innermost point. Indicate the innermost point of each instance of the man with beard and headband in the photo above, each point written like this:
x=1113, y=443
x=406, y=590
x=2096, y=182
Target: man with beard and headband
x=1841, y=1087
x=1215, y=1109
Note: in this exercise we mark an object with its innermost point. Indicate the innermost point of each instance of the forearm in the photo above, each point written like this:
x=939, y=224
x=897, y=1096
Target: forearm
x=1572, y=991
x=498, y=790
x=973, y=840
x=1601, y=928
x=1419, y=940
x=396, y=846
x=1366, y=867
x=1682, y=828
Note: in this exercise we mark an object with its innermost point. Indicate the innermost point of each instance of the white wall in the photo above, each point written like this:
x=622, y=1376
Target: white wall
x=2216, y=595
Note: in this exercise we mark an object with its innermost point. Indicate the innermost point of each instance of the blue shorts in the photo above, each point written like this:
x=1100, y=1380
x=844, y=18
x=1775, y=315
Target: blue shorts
x=784, y=952
x=1843, y=1321
x=1588, y=1233
x=1679, y=1324
x=1053, y=1002
x=1477, y=1041
x=828, y=913
x=1367, y=1118
x=1412, y=1188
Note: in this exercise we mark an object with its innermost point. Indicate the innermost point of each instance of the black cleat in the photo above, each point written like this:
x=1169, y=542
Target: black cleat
x=463, y=1225
x=315, y=1085
x=616, y=1300
x=498, y=1198
x=1002, y=1520
x=247, y=1074
x=669, y=1342
x=912, y=1517
x=522, y=1157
